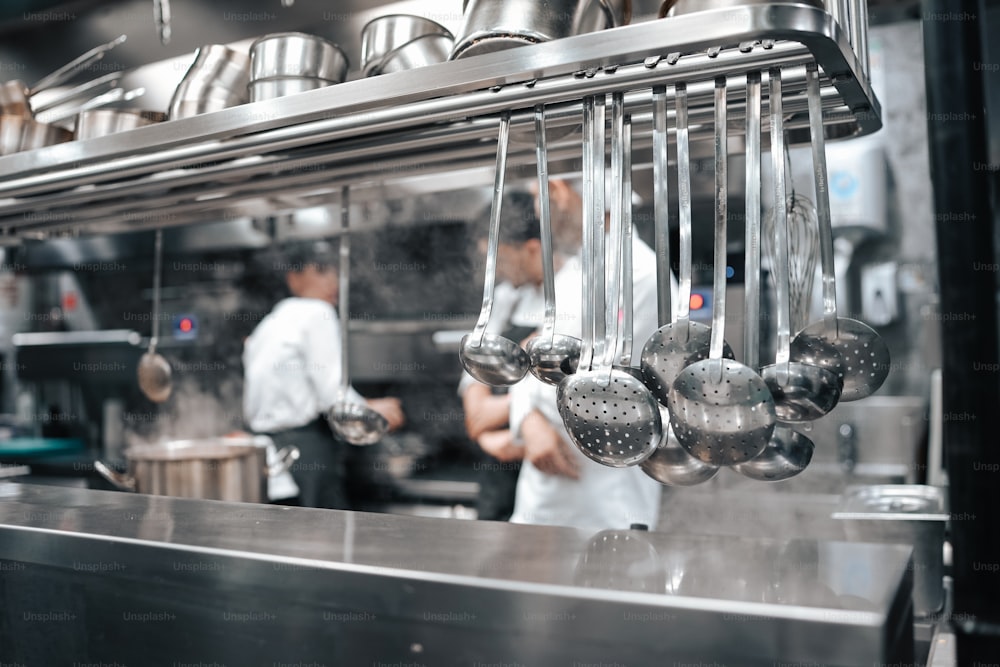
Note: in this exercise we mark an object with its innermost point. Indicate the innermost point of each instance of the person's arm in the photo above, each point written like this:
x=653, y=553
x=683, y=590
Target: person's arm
x=545, y=448
x=500, y=445
x=323, y=367
x=484, y=412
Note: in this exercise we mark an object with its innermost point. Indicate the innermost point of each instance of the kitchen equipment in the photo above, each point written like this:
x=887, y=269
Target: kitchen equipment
x=679, y=344
x=109, y=80
x=420, y=52
x=217, y=79
x=66, y=112
x=621, y=560
x=496, y=25
x=100, y=122
x=233, y=469
x=491, y=358
x=670, y=464
x=787, y=453
x=682, y=7
x=802, y=392
x=609, y=413
x=297, y=54
x=903, y=514
x=15, y=95
x=154, y=371
x=552, y=356
x=354, y=422
x=389, y=34
x=721, y=410
x=863, y=354
x=269, y=89
x=19, y=133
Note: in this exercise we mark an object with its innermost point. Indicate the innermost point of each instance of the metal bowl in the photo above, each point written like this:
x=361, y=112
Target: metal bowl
x=681, y=7
x=100, y=122
x=285, y=54
x=280, y=86
x=497, y=25
x=386, y=34
x=217, y=79
x=419, y=52
x=219, y=66
x=18, y=133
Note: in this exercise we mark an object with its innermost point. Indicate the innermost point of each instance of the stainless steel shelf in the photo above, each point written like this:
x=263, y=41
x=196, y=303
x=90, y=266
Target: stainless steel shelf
x=299, y=150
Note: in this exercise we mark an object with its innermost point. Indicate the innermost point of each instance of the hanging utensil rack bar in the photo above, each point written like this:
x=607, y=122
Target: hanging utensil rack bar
x=277, y=154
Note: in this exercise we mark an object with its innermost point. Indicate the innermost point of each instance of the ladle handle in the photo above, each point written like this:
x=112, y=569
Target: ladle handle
x=545, y=225
x=344, y=291
x=614, y=272
x=157, y=265
x=661, y=205
x=587, y=240
x=783, y=305
x=599, y=208
x=626, y=272
x=822, y=199
x=751, y=331
x=65, y=72
x=684, y=211
x=721, y=215
x=494, y=238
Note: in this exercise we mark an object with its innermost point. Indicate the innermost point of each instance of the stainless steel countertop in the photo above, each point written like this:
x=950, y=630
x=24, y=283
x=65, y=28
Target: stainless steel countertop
x=528, y=594
x=504, y=553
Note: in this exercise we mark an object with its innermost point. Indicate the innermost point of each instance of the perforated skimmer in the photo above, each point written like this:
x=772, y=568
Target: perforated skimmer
x=721, y=410
x=609, y=413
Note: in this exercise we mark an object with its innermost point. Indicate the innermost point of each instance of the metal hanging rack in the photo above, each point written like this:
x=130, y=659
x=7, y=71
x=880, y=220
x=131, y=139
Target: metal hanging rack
x=300, y=150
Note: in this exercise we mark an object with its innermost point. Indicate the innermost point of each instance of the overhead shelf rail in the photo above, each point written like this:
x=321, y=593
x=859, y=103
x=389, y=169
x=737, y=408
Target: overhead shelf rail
x=299, y=150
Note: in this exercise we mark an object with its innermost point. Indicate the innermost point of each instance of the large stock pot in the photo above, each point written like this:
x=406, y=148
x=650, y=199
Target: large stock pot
x=231, y=468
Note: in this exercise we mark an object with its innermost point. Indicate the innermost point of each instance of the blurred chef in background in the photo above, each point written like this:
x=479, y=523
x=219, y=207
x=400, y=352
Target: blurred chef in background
x=558, y=485
x=517, y=313
x=292, y=372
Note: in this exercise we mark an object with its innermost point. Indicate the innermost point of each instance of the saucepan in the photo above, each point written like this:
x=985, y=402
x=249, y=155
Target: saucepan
x=18, y=133
x=233, y=469
x=405, y=40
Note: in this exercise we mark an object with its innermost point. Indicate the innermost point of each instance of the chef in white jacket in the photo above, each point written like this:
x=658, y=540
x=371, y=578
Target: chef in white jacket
x=558, y=485
x=292, y=373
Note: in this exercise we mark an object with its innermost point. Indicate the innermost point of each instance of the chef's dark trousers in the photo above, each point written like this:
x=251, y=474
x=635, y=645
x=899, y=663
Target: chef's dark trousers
x=497, y=488
x=319, y=472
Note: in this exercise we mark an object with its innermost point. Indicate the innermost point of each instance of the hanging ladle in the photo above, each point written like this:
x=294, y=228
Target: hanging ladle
x=553, y=356
x=675, y=345
x=802, y=392
x=490, y=358
x=356, y=423
x=154, y=371
x=721, y=411
x=788, y=452
x=609, y=413
x=836, y=342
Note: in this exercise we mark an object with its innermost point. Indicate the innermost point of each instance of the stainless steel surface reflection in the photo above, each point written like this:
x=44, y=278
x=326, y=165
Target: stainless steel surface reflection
x=460, y=591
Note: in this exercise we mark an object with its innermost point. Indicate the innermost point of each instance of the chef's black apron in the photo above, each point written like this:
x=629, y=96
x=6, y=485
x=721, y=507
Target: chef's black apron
x=319, y=472
x=498, y=479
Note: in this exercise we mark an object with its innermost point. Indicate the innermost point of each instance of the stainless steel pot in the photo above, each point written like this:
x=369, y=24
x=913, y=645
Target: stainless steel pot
x=101, y=122
x=233, y=469
x=297, y=54
x=280, y=86
x=386, y=34
x=903, y=514
x=496, y=25
x=18, y=133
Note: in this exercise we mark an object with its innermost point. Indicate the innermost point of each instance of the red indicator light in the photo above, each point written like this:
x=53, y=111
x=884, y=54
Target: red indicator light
x=186, y=325
x=697, y=302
